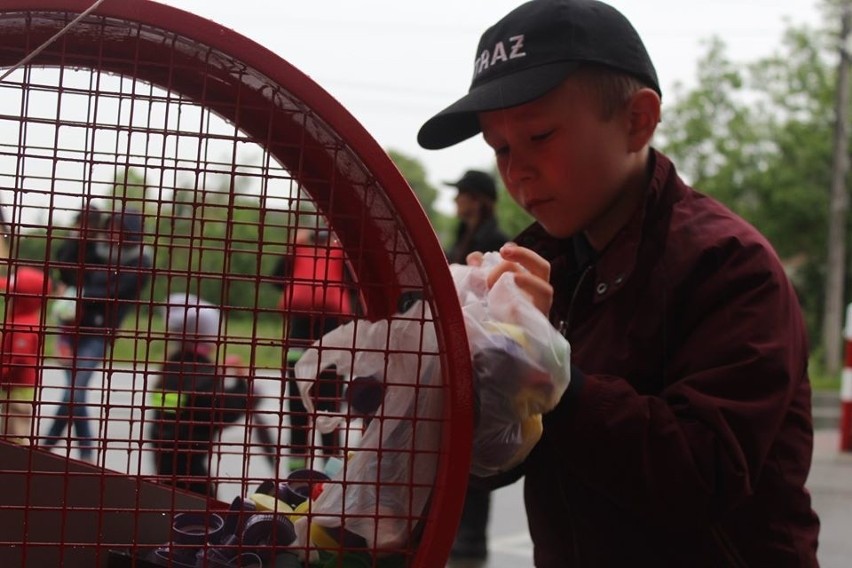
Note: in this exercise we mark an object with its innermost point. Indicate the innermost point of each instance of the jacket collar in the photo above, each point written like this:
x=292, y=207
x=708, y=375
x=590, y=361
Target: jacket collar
x=615, y=264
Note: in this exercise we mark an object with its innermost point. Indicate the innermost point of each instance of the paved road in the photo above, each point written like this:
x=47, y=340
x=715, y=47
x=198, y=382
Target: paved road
x=510, y=547
x=120, y=408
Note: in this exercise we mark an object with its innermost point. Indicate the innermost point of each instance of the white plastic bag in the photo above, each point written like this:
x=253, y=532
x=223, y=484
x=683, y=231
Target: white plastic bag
x=387, y=481
x=521, y=369
x=522, y=365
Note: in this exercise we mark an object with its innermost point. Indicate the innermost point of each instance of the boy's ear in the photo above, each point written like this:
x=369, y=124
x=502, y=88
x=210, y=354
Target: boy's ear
x=644, y=114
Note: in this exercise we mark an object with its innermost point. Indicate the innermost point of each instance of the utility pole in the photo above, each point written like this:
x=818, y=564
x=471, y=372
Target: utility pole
x=838, y=206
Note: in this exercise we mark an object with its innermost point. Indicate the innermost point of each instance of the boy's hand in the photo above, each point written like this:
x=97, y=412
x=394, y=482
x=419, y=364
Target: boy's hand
x=532, y=273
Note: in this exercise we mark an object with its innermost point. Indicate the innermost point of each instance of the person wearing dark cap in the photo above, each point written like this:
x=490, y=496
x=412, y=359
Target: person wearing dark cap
x=107, y=285
x=76, y=250
x=79, y=247
x=685, y=436
x=478, y=229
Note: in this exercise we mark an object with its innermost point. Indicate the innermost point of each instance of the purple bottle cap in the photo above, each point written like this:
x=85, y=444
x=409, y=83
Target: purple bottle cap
x=196, y=528
x=267, y=532
x=299, y=485
x=236, y=517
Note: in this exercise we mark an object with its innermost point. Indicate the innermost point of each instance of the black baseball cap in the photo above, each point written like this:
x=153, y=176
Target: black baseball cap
x=531, y=51
x=477, y=183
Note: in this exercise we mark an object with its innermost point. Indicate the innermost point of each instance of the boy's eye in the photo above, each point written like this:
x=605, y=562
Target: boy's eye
x=501, y=150
x=541, y=136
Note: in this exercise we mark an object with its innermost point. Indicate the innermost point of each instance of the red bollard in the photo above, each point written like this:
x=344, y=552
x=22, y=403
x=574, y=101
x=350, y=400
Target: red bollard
x=846, y=389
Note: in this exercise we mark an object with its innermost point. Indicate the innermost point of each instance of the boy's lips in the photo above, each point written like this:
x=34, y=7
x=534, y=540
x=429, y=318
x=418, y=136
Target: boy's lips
x=534, y=203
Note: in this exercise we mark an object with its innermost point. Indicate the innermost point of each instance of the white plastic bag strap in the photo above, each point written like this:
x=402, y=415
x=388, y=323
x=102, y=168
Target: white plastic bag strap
x=334, y=348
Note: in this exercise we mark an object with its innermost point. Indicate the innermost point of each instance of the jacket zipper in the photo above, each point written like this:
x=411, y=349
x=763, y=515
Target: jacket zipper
x=565, y=324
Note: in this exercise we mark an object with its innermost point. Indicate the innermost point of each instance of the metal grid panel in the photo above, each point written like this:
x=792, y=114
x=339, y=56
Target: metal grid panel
x=231, y=159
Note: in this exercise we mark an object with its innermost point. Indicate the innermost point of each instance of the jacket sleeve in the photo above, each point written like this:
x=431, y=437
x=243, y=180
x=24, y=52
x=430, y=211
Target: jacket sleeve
x=695, y=451
x=496, y=240
x=20, y=353
x=136, y=277
x=194, y=382
x=102, y=282
x=68, y=257
x=497, y=481
x=233, y=402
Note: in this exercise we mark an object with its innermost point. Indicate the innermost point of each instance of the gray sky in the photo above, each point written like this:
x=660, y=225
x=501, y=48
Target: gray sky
x=394, y=63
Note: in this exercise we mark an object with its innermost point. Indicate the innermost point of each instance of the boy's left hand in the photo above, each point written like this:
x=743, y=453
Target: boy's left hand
x=532, y=273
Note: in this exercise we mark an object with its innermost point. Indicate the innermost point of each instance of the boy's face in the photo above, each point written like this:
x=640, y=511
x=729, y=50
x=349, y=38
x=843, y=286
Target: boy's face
x=560, y=160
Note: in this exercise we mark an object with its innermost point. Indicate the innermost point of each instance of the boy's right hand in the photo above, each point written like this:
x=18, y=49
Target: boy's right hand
x=532, y=273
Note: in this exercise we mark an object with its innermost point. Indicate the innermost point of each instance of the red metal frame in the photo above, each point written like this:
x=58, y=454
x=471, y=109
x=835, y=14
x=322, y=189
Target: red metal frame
x=388, y=240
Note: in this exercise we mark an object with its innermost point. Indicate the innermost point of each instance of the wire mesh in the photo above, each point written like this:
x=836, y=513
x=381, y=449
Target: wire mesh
x=184, y=214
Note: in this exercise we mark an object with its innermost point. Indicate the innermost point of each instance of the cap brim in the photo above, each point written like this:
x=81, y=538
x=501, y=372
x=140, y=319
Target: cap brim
x=459, y=121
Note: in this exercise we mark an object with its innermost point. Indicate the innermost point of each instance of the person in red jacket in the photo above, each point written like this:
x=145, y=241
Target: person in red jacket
x=685, y=436
x=316, y=298
x=21, y=354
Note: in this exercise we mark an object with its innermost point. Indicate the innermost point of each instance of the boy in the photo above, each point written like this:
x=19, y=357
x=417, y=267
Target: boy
x=685, y=437
x=191, y=399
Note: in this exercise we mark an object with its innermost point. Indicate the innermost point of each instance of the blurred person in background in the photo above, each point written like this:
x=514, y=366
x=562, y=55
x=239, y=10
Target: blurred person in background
x=478, y=231
x=107, y=283
x=193, y=398
x=21, y=351
x=77, y=250
x=316, y=299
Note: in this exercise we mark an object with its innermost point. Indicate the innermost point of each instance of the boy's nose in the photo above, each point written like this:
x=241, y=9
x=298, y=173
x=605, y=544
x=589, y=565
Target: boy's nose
x=518, y=168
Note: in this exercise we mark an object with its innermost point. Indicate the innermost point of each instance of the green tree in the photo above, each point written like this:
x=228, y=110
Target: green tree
x=758, y=137
x=129, y=189
x=220, y=251
x=415, y=174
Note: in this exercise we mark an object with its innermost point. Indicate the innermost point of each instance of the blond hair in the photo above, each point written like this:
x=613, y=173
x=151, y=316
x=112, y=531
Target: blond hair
x=611, y=87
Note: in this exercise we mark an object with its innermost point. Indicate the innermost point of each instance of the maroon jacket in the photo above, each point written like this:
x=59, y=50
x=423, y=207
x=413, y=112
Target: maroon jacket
x=686, y=436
